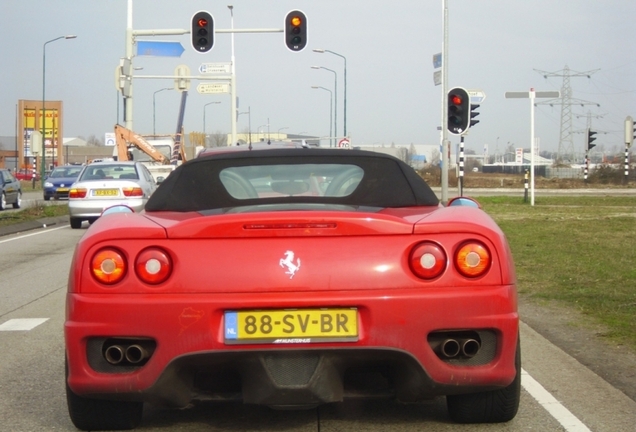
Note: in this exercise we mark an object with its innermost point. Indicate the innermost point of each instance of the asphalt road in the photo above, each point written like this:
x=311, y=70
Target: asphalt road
x=559, y=393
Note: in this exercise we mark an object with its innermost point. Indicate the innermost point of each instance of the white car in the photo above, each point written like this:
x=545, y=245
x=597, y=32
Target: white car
x=105, y=184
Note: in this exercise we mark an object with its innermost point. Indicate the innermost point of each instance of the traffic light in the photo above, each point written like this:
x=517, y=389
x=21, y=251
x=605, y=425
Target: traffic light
x=458, y=115
x=296, y=30
x=630, y=131
x=202, y=31
x=473, y=114
x=590, y=139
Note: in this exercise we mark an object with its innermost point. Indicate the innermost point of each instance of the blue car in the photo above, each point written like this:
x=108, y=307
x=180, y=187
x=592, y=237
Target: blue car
x=58, y=184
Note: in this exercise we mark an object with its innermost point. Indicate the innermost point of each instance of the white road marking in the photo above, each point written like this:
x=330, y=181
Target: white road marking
x=32, y=234
x=21, y=324
x=551, y=405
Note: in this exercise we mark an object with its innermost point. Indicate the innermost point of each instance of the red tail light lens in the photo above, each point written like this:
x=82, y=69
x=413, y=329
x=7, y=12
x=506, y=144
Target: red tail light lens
x=427, y=260
x=132, y=191
x=108, y=266
x=77, y=193
x=153, y=266
x=473, y=259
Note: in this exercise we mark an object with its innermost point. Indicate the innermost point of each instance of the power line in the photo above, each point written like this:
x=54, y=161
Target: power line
x=566, y=140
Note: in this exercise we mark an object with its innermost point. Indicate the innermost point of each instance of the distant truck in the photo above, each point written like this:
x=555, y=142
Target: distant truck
x=155, y=154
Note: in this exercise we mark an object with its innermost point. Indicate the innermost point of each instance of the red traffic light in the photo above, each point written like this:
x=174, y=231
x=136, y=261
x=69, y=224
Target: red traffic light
x=456, y=100
x=202, y=31
x=202, y=22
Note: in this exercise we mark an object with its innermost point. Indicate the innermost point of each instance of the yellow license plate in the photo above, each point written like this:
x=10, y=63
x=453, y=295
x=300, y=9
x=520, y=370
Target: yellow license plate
x=62, y=189
x=106, y=192
x=291, y=326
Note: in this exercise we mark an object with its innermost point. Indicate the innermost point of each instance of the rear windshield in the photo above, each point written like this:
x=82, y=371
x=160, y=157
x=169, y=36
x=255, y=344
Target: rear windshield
x=66, y=172
x=349, y=178
x=109, y=172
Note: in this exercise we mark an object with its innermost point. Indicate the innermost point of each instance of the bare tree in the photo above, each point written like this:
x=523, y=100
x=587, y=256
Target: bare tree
x=217, y=139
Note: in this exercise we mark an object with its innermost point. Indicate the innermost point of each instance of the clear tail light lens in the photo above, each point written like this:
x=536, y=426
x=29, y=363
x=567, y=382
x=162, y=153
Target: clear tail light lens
x=427, y=260
x=153, y=266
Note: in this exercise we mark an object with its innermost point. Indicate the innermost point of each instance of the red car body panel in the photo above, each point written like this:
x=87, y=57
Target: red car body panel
x=293, y=256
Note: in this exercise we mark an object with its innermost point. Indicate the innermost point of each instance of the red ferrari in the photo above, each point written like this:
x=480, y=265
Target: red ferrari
x=292, y=278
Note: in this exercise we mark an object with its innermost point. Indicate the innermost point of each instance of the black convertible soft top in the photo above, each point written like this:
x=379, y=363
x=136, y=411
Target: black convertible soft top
x=197, y=184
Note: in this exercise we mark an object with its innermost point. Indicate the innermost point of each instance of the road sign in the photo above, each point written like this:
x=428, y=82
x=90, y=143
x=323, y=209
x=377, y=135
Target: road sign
x=215, y=68
x=437, y=61
x=476, y=96
x=343, y=143
x=159, y=48
x=109, y=138
x=209, y=88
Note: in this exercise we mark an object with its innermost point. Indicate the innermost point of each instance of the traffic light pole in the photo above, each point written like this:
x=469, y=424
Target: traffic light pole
x=445, y=145
x=461, y=166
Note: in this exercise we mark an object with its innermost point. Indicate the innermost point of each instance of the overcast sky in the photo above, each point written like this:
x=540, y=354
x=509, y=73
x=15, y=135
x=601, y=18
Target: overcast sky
x=494, y=45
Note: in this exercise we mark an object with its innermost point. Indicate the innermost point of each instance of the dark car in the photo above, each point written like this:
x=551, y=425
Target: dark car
x=10, y=190
x=291, y=278
x=58, y=184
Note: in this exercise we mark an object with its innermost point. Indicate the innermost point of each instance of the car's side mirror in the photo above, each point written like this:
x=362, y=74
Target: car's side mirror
x=463, y=201
x=117, y=209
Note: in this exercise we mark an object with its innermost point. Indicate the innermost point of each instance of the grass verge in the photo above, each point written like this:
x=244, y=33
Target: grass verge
x=38, y=211
x=577, y=251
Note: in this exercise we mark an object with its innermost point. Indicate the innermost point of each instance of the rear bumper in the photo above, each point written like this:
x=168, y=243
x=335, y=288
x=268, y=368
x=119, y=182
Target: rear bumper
x=92, y=208
x=190, y=356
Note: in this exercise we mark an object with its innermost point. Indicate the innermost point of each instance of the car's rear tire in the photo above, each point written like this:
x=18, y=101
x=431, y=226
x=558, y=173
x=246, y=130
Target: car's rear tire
x=18, y=201
x=495, y=406
x=97, y=414
x=47, y=198
x=76, y=223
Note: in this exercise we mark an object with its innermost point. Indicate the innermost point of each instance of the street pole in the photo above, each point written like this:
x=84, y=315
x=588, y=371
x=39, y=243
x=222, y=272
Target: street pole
x=211, y=103
x=330, y=111
x=43, y=118
x=233, y=107
x=445, y=144
x=128, y=101
x=154, y=131
x=332, y=142
x=320, y=50
x=532, y=95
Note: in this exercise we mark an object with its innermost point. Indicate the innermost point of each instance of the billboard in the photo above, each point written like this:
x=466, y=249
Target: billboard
x=32, y=117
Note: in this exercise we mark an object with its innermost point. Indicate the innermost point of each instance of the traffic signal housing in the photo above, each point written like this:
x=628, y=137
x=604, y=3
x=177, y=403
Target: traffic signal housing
x=473, y=114
x=630, y=131
x=590, y=139
x=296, y=30
x=458, y=111
x=202, y=32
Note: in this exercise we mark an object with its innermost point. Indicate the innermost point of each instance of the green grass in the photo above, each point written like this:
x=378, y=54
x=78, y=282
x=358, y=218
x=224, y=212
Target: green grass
x=577, y=251
x=39, y=211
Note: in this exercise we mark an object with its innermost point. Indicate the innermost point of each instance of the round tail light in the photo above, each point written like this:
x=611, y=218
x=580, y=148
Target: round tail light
x=427, y=260
x=108, y=266
x=473, y=259
x=153, y=266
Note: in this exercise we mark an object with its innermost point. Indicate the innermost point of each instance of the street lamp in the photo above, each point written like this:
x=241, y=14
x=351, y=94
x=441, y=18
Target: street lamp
x=42, y=126
x=335, y=110
x=211, y=103
x=330, y=111
x=321, y=51
x=249, y=123
x=278, y=134
x=153, y=108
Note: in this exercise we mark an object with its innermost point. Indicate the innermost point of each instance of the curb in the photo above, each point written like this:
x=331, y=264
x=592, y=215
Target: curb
x=33, y=225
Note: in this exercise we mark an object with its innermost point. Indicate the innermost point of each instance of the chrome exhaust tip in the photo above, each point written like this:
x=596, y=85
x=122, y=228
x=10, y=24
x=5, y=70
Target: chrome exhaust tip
x=450, y=348
x=470, y=347
x=114, y=354
x=136, y=354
